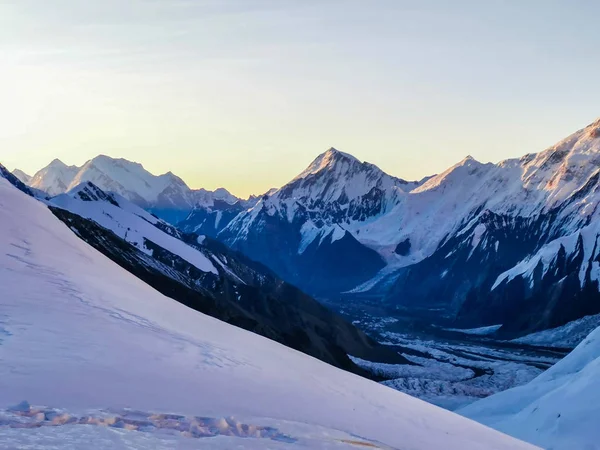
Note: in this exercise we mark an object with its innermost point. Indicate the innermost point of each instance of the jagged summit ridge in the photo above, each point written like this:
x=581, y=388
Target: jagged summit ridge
x=339, y=164
x=335, y=176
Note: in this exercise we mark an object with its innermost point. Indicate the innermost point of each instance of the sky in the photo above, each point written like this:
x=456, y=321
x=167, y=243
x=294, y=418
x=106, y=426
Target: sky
x=244, y=94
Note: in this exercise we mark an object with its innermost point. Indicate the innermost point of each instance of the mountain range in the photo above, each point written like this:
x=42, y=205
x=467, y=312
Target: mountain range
x=502, y=250
x=93, y=355
x=165, y=195
x=207, y=276
x=511, y=244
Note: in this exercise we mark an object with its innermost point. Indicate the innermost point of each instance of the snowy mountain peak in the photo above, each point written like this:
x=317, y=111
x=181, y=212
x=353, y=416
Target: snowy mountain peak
x=321, y=212
x=344, y=166
x=57, y=163
x=25, y=178
x=333, y=153
x=81, y=187
x=221, y=193
x=114, y=176
x=334, y=173
x=55, y=178
x=467, y=167
x=14, y=180
x=330, y=160
x=127, y=178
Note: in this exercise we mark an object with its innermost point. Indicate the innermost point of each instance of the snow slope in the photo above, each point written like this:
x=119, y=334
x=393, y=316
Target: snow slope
x=124, y=222
x=79, y=333
x=558, y=410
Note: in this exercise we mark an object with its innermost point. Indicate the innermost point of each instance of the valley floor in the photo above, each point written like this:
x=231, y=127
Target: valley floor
x=452, y=368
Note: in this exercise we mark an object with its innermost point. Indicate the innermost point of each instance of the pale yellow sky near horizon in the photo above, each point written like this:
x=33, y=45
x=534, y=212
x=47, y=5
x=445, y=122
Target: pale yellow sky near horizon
x=244, y=94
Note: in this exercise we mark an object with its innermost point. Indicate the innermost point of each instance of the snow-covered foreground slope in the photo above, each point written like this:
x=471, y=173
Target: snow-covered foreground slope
x=558, y=410
x=79, y=333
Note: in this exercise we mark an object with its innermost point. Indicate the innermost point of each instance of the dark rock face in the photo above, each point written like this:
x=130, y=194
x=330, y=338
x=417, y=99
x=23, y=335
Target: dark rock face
x=246, y=294
x=474, y=257
x=403, y=248
x=337, y=266
x=551, y=298
x=91, y=193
